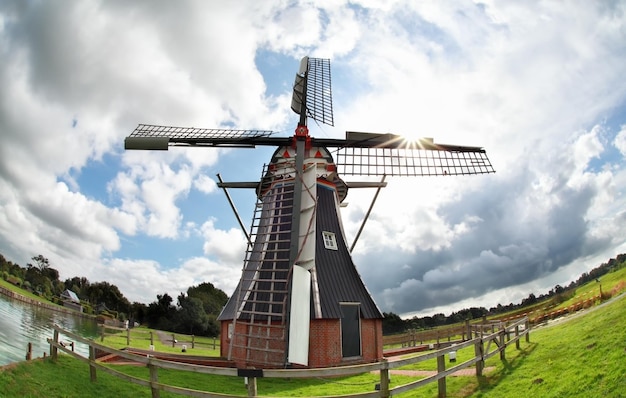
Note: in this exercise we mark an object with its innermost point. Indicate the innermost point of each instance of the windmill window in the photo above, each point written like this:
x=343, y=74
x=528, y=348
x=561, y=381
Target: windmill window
x=330, y=242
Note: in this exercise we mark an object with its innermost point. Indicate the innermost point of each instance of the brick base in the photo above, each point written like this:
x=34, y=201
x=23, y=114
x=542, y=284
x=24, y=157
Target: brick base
x=324, y=344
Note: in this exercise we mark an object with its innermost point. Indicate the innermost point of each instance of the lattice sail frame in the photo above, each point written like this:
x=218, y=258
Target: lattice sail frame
x=319, y=100
x=410, y=162
x=360, y=154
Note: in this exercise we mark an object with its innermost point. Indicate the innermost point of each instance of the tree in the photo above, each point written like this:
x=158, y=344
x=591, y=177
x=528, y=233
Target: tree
x=79, y=285
x=212, y=298
x=108, y=294
x=392, y=323
x=160, y=314
x=530, y=300
x=138, y=312
x=42, y=262
x=191, y=316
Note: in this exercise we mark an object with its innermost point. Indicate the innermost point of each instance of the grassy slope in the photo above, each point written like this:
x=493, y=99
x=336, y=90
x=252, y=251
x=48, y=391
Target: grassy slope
x=24, y=292
x=584, y=356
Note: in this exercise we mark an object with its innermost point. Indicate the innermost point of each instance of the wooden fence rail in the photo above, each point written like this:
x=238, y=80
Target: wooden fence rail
x=435, y=336
x=486, y=343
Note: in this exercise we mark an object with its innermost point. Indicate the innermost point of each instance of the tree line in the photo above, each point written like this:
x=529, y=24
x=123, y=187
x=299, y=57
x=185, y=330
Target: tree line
x=194, y=312
x=393, y=323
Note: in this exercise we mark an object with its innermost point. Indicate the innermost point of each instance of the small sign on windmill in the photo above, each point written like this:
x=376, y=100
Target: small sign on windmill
x=300, y=300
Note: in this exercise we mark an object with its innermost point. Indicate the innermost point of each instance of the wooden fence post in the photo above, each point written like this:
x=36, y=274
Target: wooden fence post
x=478, y=352
x=517, y=336
x=441, y=367
x=384, y=378
x=154, y=379
x=468, y=330
x=527, y=329
x=193, y=341
x=53, y=348
x=128, y=336
x=502, y=345
x=29, y=351
x=252, y=390
x=92, y=363
x=151, y=338
x=173, y=340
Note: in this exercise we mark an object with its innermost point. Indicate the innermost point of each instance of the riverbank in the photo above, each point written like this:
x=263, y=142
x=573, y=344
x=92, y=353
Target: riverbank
x=8, y=292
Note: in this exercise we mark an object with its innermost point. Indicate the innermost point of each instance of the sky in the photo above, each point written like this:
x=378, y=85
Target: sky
x=538, y=84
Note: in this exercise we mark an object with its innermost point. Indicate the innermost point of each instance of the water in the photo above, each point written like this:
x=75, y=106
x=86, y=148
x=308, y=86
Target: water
x=21, y=323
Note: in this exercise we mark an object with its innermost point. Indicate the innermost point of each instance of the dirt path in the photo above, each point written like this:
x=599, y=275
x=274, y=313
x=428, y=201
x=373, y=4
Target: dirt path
x=427, y=373
x=166, y=339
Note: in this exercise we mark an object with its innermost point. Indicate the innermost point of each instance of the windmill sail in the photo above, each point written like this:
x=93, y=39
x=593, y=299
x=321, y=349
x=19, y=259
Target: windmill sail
x=312, y=88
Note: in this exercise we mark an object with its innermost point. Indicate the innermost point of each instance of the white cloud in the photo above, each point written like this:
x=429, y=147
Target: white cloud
x=205, y=184
x=620, y=140
x=533, y=83
x=227, y=246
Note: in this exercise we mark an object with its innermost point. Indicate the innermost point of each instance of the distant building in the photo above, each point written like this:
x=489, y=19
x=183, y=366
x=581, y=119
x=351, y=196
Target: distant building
x=70, y=295
x=71, y=300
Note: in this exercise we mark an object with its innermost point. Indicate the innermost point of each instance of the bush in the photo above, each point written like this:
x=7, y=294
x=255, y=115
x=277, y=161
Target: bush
x=15, y=280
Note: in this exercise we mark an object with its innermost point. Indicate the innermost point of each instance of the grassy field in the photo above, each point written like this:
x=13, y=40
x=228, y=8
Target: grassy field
x=140, y=338
x=581, y=356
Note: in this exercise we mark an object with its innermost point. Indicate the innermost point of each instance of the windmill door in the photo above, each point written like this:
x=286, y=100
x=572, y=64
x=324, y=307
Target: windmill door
x=350, y=330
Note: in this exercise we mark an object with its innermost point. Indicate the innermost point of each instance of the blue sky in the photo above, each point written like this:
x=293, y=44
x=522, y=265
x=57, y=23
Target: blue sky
x=538, y=84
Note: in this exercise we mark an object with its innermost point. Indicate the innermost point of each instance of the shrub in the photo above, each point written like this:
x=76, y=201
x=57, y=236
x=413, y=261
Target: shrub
x=15, y=280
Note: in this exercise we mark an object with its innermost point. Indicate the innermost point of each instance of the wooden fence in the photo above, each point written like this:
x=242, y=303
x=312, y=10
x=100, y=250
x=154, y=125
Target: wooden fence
x=487, y=340
x=435, y=337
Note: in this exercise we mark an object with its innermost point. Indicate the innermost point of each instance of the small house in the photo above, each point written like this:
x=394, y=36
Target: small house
x=71, y=300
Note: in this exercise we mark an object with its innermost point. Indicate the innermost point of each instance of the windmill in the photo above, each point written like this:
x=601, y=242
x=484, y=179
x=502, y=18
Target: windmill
x=300, y=300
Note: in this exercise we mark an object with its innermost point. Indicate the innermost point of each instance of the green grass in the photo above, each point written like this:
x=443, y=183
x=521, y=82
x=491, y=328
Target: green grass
x=64, y=379
x=140, y=338
x=607, y=281
x=581, y=357
x=24, y=292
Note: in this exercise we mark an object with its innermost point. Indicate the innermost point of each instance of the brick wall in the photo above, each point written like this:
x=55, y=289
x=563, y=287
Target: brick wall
x=325, y=343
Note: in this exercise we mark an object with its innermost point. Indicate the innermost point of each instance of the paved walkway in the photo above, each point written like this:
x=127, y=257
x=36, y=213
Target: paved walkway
x=166, y=339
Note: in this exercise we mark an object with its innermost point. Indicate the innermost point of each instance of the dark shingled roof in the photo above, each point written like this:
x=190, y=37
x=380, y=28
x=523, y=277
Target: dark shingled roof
x=337, y=278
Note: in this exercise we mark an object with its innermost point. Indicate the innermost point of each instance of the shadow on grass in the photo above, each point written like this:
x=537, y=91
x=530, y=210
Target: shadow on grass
x=506, y=368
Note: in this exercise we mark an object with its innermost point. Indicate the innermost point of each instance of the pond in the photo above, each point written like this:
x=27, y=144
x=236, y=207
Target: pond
x=21, y=323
